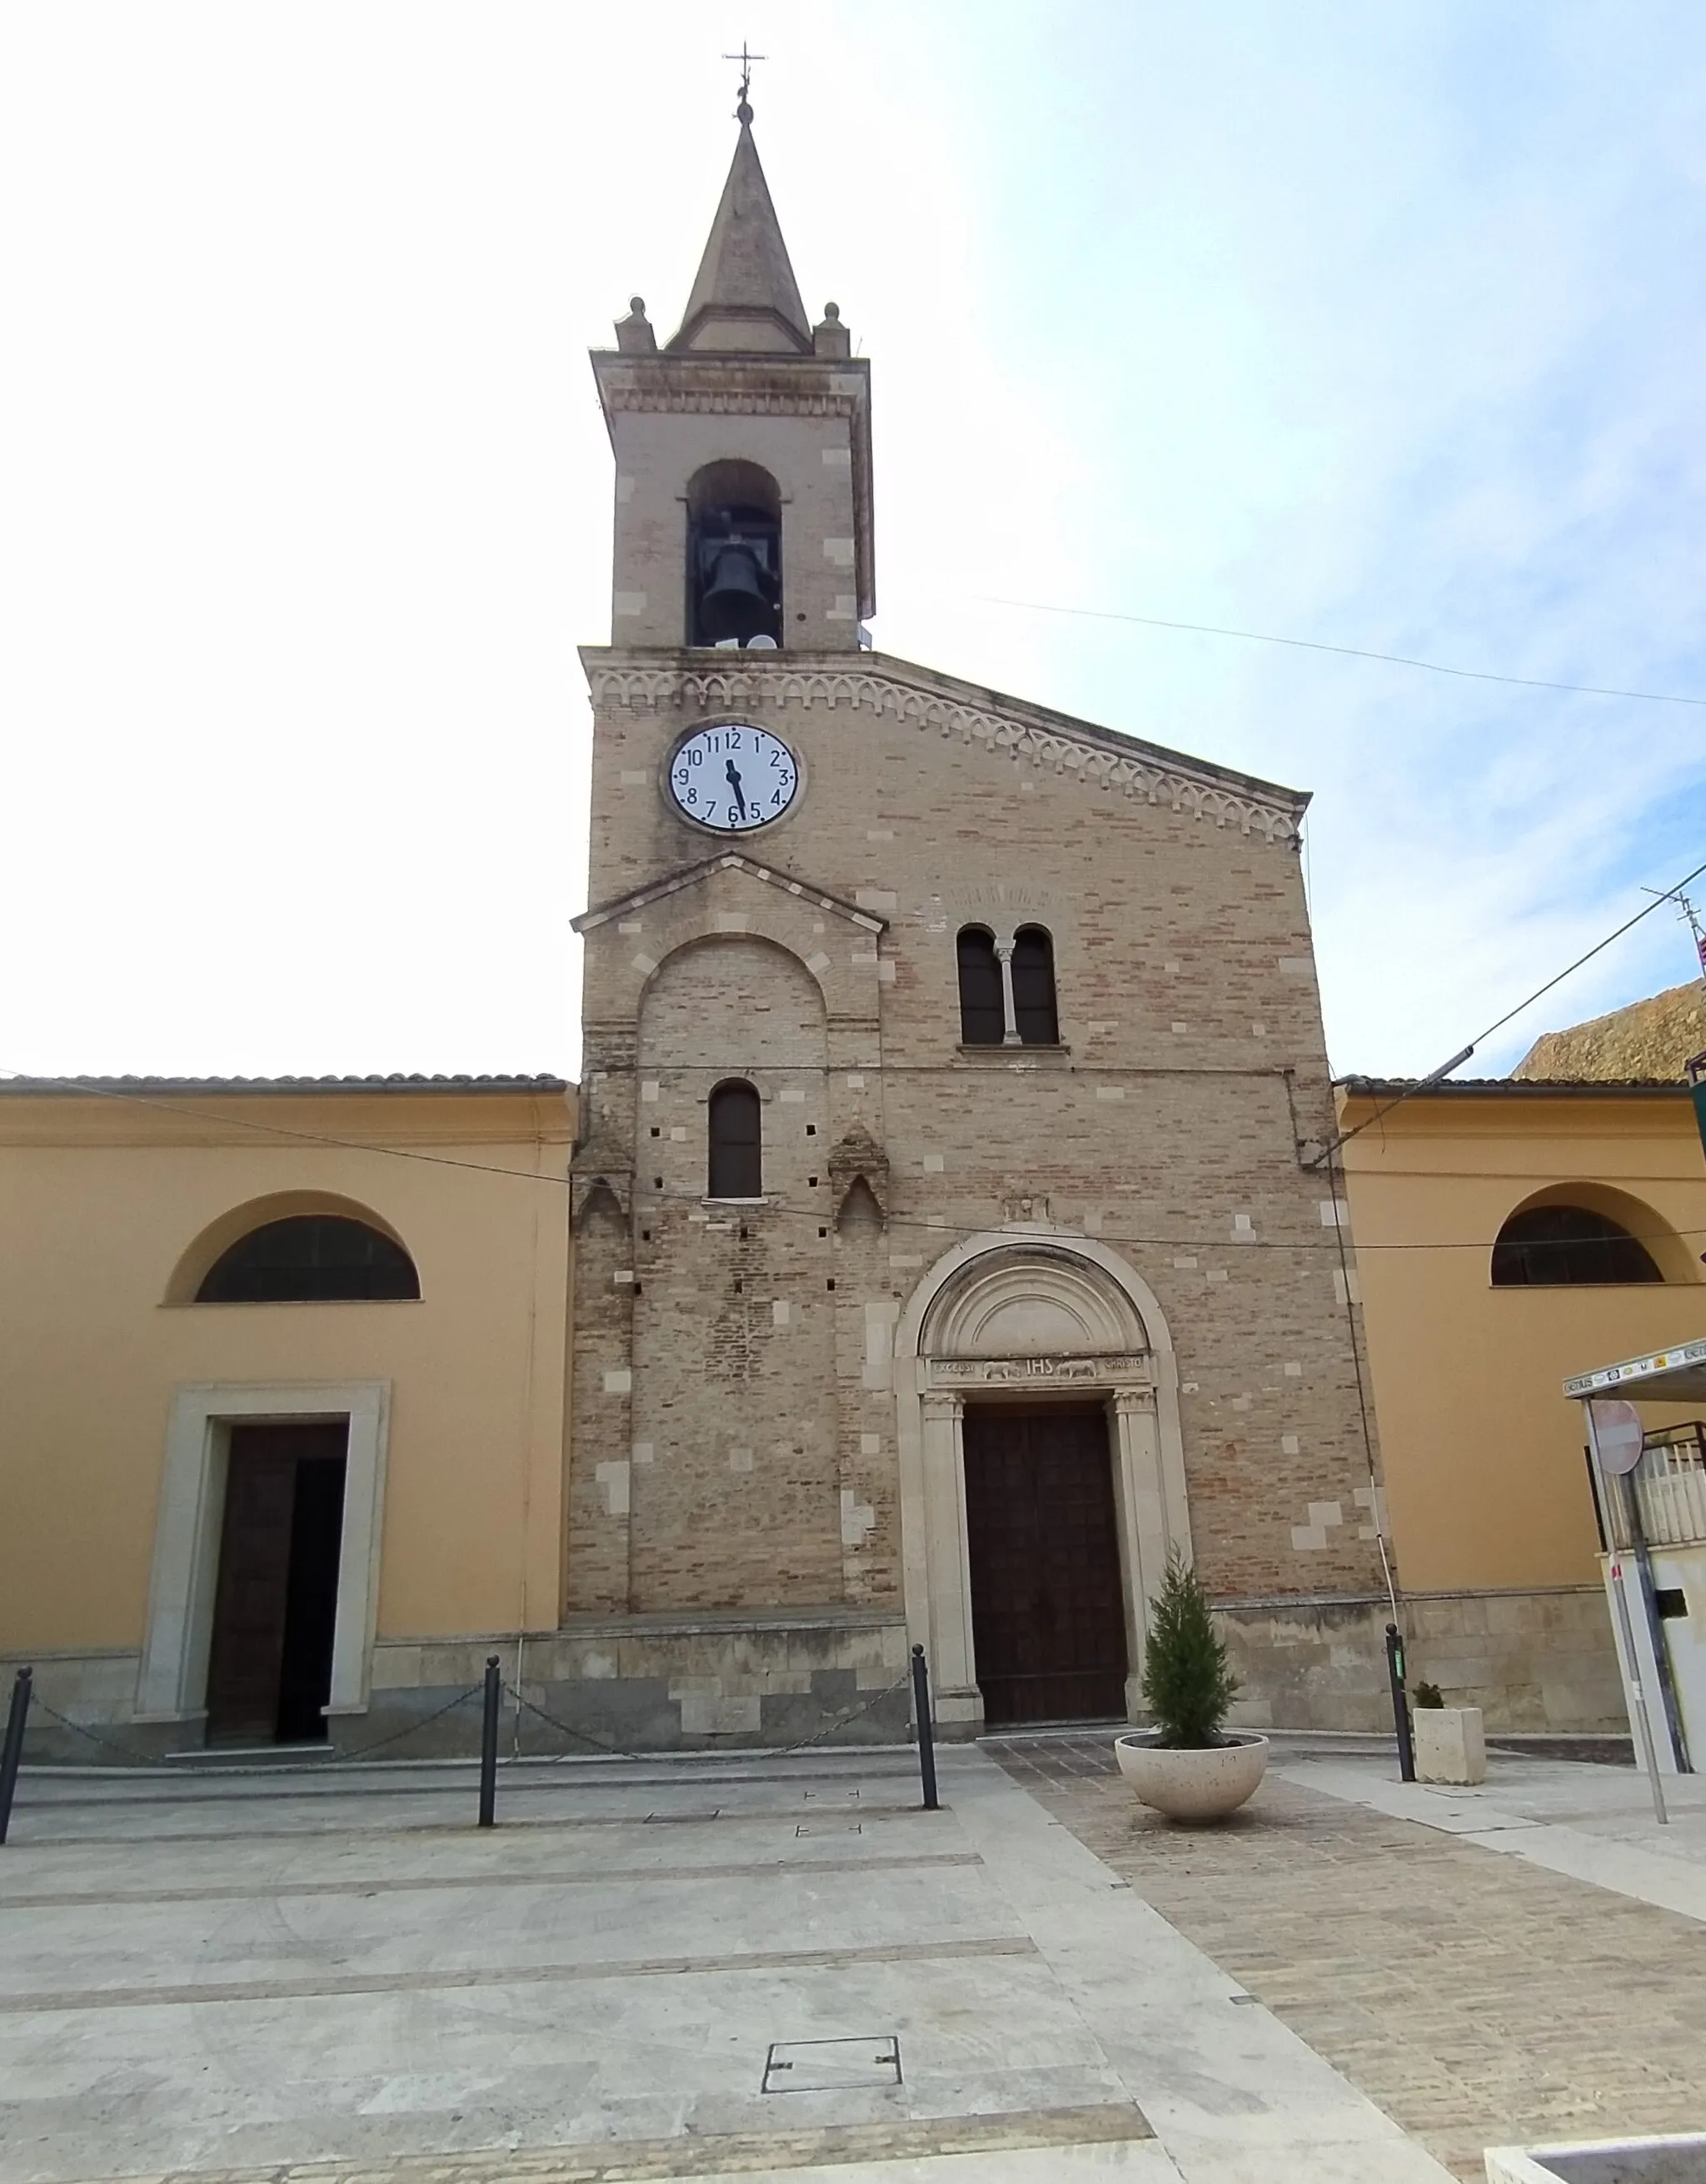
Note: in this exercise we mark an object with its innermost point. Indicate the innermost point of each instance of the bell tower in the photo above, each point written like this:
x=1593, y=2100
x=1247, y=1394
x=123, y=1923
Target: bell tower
x=743, y=453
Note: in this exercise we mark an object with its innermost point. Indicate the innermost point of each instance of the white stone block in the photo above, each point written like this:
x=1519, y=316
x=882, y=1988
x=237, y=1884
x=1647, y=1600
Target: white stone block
x=1450, y=1746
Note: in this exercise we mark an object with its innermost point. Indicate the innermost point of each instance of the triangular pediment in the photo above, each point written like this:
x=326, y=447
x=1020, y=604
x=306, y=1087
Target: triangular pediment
x=1103, y=759
x=748, y=868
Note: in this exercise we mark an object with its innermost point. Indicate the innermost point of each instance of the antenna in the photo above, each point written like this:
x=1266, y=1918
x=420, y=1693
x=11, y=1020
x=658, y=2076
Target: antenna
x=1687, y=915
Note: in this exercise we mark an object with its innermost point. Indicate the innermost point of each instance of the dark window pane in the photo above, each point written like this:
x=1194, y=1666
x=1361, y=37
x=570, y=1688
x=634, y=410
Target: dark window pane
x=1034, y=988
x=737, y=1161
x=1551, y=1245
x=983, y=1020
x=311, y=1259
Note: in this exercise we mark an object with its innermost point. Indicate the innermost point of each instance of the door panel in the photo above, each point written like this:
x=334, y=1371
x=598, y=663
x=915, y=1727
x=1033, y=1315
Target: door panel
x=276, y=1592
x=1048, y=1613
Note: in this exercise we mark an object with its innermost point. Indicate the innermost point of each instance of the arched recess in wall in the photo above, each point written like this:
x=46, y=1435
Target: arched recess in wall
x=1538, y=1252
x=217, y=1239
x=731, y=1004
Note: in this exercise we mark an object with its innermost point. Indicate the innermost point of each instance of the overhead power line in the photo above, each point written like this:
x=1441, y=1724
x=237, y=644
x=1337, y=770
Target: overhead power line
x=925, y=1223
x=1437, y=1076
x=1343, y=651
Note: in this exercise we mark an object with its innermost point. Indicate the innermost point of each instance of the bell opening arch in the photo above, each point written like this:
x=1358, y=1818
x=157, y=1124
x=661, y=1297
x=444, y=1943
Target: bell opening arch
x=1027, y=1317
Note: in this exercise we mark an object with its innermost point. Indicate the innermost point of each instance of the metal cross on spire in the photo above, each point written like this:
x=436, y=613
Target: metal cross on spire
x=743, y=113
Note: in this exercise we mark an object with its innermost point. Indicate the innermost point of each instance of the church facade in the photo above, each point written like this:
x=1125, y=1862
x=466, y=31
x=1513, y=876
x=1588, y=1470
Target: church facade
x=945, y=1255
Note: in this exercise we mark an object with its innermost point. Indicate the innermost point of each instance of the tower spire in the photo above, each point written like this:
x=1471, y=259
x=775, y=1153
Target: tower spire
x=745, y=297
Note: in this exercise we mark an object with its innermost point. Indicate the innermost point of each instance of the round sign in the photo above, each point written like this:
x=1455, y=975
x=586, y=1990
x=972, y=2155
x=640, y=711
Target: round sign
x=1618, y=1436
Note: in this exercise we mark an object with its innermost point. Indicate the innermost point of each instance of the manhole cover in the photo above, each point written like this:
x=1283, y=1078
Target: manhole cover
x=830, y=2066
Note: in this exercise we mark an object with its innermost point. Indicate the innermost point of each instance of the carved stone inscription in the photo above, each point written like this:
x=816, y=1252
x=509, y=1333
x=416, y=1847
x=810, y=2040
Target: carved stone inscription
x=1125, y=1367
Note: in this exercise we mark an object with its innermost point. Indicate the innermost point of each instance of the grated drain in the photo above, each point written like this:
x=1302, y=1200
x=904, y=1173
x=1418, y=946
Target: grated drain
x=831, y=2066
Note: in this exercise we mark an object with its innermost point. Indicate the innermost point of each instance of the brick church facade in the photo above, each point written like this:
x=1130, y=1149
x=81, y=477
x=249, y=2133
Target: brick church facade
x=944, y=1252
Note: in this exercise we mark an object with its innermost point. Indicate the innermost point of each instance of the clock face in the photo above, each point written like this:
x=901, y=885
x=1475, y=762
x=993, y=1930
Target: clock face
x=732, y=778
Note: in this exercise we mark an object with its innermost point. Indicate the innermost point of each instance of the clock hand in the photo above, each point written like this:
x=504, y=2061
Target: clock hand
x=730, y=774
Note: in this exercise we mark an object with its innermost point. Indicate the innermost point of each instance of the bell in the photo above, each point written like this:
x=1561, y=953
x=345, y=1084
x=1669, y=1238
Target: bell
x=734, y=604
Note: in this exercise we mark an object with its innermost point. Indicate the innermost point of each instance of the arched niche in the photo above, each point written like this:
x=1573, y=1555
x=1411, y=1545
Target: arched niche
x=1031, y=1314
x=211, y=1245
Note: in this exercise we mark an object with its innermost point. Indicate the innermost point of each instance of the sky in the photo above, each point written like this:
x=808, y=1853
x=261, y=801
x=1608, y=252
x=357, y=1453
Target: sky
x=1375, y=327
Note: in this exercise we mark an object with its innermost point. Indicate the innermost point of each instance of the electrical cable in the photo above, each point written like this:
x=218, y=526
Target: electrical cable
x=924, y=1224
x=1344, y=651
x=1436, y=1076
x=85, y=1086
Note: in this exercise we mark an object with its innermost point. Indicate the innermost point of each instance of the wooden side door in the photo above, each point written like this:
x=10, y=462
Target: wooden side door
x=1048, y=1615
x=253, y=1596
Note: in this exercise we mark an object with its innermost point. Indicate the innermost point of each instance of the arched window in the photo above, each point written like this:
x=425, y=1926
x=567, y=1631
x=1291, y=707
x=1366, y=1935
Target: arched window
x=983, y=1015
x=1546, y=1245
x=311, y=1258
x=737, y=1154
x=1035, y=1015
x=734, y=557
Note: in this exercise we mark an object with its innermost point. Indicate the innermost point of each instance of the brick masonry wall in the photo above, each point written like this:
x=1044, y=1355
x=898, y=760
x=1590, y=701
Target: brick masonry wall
x=1191, y=1061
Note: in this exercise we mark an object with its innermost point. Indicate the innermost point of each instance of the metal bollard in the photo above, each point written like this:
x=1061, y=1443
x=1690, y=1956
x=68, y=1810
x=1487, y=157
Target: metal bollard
x=1400, y=1705
x=492, y=1700
x=926, y=1743
x=12, y=1749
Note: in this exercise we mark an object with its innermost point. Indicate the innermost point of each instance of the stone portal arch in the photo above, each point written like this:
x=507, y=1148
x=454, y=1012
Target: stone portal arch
x=1034, y=1313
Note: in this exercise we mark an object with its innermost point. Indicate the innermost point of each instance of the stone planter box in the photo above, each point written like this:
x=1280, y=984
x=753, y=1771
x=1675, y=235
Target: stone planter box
x=1194, y=1787
x=1606, y=2161
x=1449, y=1744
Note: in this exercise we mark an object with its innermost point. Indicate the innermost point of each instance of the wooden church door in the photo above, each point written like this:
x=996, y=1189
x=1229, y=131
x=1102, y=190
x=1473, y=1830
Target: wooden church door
x=1048, y=1614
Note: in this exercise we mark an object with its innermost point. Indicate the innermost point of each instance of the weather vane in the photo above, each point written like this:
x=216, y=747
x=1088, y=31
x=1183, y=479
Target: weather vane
x=743, y=113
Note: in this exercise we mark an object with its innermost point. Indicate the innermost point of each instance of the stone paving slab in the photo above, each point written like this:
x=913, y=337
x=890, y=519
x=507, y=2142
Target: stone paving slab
x=1478, y=1998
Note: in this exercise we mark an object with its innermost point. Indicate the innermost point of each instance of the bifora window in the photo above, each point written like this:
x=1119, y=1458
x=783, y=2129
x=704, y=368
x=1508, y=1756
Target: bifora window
x=311, y=1258
x=1035, y=1016
x=1547, y=1245
x=736, y=1156
x=983, y=1012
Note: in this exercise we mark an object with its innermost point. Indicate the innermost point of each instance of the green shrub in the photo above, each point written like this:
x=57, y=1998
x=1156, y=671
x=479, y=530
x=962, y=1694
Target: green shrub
x=1187, y=1678
x=1427, y=1695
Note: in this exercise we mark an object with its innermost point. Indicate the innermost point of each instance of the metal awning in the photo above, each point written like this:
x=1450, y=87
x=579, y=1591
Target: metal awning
x=1676, y=1375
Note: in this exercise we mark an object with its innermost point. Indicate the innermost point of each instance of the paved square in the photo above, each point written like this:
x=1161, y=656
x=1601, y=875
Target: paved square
x=1461, y=1971
x=322, y=1977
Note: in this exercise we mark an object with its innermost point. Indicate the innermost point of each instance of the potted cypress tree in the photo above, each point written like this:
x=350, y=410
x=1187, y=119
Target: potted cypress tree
x=1189, y=1766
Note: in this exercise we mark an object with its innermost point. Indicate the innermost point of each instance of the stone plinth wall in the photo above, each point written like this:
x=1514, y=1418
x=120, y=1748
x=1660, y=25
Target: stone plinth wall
x=1540, y=1660
x=1309, y=1663
x=657, y=1683
x=1531, y=1661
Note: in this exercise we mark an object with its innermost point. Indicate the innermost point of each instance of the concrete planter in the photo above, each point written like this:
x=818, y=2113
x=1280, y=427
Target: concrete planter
x=1196, y=1786
x=1449, y=1744
x=1605, y=2161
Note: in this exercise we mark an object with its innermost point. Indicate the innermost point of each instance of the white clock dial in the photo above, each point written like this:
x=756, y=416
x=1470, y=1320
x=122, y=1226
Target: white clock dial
x=732, y=778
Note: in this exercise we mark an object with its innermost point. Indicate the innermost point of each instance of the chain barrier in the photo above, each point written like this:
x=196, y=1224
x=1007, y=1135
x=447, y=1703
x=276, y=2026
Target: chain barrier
x=767, y=1751
x=126, y=1752
x=133, y=1758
